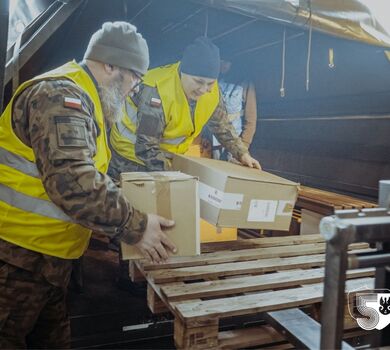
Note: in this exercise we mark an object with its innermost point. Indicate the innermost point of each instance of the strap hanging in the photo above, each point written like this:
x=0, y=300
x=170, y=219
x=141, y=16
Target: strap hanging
x=282, y=91
x=309, y=52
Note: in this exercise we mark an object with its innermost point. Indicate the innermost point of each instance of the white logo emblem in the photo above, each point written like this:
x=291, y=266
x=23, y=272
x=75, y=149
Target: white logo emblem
x=372, y=309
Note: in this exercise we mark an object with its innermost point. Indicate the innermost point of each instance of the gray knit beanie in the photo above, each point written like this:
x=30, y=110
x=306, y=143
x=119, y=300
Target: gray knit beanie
x=119, y=44
x=201, y=58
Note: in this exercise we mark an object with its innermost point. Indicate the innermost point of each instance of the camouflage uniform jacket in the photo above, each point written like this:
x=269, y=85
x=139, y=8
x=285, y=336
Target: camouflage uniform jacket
x=68, y=173
x=151, y=124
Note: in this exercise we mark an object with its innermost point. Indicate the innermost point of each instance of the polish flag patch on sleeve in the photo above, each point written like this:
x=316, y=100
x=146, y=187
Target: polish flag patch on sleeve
x=155, y=102
x=71, y=102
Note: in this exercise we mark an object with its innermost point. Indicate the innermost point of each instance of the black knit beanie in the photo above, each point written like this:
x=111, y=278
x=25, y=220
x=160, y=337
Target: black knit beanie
x=201, y=58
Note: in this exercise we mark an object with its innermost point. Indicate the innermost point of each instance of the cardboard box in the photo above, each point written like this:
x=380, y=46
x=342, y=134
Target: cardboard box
x=173, y=195
x=236, y=196
x=310, y=222
x=211, y=233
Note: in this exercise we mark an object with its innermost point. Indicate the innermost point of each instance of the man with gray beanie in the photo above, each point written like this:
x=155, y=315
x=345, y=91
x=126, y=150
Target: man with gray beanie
x=53, y=188
x=174, y=103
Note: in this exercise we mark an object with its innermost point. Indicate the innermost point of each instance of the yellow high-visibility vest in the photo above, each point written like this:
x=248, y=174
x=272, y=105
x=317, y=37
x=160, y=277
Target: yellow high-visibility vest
x=180, y=130
x=28, y=218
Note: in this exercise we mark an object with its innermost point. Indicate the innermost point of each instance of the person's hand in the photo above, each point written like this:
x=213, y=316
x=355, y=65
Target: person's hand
x=250, y=162
x=155, y=244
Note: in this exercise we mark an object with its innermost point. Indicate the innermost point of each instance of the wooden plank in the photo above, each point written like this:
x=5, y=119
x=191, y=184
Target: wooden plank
x=232, y=269
x=251, y=283
x=323, y=209
x=249, y=337
x=155, y=304
x=135, y=274
x=198, y=335
x=264, y=242
x=315, y=192
x=241, y=255
x=157, y=290
x=259, y=266
x=330, y=200
x=260, y=302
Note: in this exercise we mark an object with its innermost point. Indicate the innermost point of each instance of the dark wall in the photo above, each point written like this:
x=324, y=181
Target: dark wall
x=334, y=135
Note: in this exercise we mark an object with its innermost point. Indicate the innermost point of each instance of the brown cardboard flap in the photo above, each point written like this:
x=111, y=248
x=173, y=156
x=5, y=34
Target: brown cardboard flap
x=226, y=169
x=163, y=196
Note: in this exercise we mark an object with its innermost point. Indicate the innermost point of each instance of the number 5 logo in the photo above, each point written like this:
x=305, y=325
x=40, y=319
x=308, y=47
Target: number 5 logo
x=373, y=308
x=372, y=317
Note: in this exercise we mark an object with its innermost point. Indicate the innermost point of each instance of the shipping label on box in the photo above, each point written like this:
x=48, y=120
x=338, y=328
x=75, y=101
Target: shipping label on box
x=171, y=194
x=236, y=196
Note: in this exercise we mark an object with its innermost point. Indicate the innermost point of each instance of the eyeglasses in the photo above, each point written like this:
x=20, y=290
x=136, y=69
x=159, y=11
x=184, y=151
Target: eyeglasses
x=137, y=75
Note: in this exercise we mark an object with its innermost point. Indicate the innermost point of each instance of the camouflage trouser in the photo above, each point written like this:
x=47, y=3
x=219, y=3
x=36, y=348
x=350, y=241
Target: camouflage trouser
x=32, y=311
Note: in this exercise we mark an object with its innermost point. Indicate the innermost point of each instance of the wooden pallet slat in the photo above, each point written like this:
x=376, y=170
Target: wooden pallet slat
x=230, y=286
x=324, y=202
x=248, y=337
x=261, y=302
x=258, y=266
x=265, y=242
x=237, y=268
x=242, y=255
x=221, y=257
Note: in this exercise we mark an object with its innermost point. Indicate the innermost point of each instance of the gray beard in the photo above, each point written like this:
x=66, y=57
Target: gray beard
x=111, y=100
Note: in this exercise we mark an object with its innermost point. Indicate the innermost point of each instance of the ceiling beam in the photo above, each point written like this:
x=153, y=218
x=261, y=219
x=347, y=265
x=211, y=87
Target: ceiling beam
x=36, y=34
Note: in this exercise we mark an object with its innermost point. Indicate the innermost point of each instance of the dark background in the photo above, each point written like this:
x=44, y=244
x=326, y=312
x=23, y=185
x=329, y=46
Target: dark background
x=334, y=136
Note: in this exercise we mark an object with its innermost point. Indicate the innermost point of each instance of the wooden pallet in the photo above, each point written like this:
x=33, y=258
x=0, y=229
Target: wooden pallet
x=240, y=278
x=325, y=202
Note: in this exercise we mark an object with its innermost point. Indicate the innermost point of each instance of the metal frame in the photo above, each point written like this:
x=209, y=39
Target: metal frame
x=38, y=33
x=4, y=20
x=349, y=226
x=299, y=328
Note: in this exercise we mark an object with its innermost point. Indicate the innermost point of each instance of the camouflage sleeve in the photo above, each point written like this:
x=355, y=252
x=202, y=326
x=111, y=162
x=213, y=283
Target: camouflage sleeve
x=223, y=130
x=150, y=128
x=64, y=143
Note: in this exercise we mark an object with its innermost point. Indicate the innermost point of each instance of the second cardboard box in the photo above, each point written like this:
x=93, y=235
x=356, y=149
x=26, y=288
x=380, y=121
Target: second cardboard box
x=236, y=196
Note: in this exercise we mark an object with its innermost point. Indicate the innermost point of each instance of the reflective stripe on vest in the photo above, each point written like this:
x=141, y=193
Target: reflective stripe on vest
x=131, y=113
x=176, y=141
x=125, y=132
x=22, y=201
x=19, y=163
x=31, y=204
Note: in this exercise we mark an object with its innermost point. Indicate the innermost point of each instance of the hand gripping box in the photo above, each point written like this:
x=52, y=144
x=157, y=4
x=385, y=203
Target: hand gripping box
x=236, y=196
x=173, y=195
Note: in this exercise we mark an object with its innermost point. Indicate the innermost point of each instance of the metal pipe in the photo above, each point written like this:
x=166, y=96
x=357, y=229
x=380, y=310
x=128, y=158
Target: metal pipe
x=374, y=260
x=4, y=20
x=384, y=194
x=332, y=317
x=368, y=225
